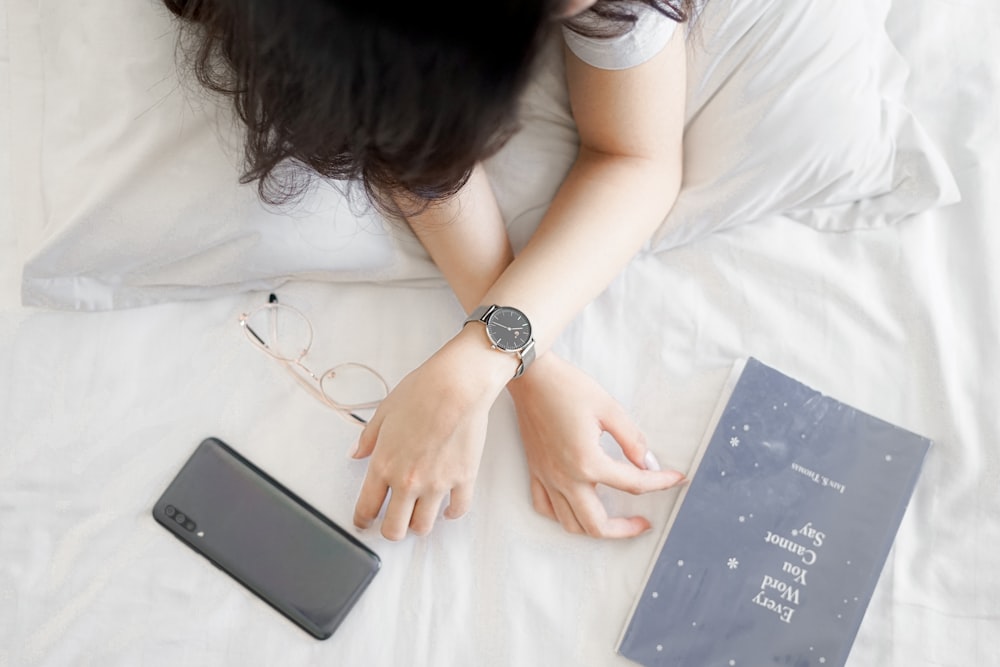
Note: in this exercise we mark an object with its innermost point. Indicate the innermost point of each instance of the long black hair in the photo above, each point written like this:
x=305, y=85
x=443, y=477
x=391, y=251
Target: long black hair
x=404, y=97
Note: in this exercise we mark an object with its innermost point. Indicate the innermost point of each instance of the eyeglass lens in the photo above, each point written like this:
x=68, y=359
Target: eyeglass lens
x=352, y=384
x=282, y=331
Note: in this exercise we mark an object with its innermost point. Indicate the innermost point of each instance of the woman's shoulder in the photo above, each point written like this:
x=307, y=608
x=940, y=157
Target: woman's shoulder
x=593, y=38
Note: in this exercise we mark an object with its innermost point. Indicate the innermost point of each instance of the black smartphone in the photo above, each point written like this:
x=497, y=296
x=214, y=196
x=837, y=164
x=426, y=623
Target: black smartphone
x=267, y=538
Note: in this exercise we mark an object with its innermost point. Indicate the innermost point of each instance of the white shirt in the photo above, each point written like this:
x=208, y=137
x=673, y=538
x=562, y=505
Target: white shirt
x=647, y=37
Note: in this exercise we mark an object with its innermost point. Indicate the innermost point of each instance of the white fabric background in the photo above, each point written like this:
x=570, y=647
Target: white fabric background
x=97, y=411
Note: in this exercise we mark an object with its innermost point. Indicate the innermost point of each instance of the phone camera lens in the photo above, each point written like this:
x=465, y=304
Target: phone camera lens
x=190, y=525
x=180, y=517
x=170, y=511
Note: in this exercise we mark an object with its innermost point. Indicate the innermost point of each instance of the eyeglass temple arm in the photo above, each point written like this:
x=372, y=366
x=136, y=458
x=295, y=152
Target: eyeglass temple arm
x=271, y=298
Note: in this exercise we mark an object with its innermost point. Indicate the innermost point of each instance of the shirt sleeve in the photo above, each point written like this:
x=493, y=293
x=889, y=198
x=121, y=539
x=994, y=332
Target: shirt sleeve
x=647, y=37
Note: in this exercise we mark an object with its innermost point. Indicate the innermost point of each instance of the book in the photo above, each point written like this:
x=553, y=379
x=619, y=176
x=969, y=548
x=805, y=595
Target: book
x=773, y=550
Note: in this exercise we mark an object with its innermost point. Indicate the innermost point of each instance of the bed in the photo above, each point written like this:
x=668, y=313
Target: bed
x=853, y=246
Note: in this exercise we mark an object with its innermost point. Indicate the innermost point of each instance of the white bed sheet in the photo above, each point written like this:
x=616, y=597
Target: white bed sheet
x=97, y=411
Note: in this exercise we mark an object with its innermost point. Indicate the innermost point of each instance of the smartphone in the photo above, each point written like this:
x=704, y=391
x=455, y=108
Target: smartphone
x=267, y=538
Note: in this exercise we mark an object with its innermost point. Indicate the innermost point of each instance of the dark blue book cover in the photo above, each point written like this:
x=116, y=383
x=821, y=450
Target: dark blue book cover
x=774, y=549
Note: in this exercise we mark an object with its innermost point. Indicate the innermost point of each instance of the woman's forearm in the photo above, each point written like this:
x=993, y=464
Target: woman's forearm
x=467, y=239
x=606, y=209
x=622, y=185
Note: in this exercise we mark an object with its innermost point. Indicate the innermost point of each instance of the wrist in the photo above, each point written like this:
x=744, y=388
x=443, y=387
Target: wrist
x=540, y=370
x=476, y=356
x=508, y=331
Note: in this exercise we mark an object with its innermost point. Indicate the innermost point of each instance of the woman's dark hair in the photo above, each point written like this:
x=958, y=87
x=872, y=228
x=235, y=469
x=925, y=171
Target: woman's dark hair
x=402, y=96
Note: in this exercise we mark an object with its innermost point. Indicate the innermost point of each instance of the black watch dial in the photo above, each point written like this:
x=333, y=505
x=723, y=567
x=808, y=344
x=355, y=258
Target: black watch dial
x=508, y=329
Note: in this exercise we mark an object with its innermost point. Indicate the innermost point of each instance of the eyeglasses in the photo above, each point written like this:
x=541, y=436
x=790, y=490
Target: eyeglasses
x=285, y=334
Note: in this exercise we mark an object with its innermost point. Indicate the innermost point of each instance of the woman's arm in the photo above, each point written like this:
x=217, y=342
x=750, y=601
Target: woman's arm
x=467, y=239
x=425, y=439
x=623, y=183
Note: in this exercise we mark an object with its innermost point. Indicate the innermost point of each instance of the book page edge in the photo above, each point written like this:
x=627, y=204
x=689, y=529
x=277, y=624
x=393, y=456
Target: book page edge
x=720, y=407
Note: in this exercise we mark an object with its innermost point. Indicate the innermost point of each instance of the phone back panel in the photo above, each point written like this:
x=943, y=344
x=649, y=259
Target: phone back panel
x=266, y=537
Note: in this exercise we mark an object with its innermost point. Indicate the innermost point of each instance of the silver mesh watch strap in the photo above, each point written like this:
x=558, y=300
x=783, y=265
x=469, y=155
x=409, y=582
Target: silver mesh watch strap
x=527, y=355
x=480, y=314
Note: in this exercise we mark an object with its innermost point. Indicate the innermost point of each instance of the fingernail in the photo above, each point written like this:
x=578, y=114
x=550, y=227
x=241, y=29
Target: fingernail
x=650, y=460
x=352, y=450
x=681, y=480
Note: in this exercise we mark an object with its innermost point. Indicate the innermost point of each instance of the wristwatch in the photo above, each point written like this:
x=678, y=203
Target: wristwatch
x=509, y=331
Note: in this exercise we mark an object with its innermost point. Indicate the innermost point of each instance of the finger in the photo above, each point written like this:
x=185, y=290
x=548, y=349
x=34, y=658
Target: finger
x=370, y=501
x=624, y=477
x=594, y=519
x=366, y=441
x=425, y=514
x=540, y=500
x=459, y=502
x=397, y=516
x=629, y=438
x=564, y=513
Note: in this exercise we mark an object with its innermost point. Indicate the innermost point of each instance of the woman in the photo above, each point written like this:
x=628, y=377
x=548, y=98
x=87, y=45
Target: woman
x=408, y=98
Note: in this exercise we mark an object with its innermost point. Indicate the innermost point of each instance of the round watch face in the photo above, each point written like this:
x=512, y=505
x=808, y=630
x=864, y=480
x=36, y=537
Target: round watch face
x=508, y=329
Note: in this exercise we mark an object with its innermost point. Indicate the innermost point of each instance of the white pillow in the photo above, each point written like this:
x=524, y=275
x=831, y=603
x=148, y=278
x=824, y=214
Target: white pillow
x=125, y=184
x=796, y=108
x=793, y=108
x=126, y=191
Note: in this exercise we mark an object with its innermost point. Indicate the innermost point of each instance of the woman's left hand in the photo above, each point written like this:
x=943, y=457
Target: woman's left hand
x=561, y=413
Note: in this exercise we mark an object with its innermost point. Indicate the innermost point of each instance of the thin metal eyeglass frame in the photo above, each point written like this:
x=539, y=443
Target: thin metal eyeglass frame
x=296, y=368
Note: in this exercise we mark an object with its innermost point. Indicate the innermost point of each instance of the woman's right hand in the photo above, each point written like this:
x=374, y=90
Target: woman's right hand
x=426, y=438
